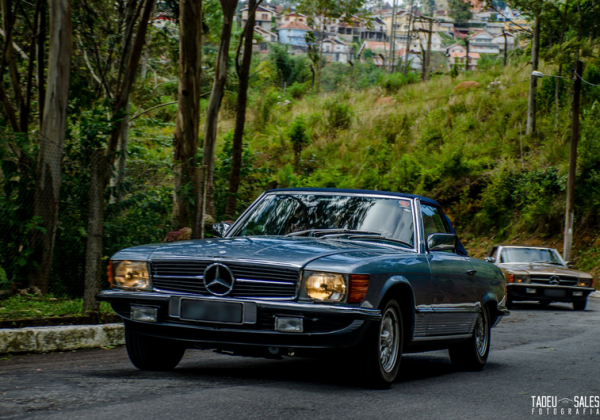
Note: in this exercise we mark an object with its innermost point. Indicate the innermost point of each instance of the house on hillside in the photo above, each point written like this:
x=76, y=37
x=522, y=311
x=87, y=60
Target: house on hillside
x=263, y=17
x=264, y=35
x=336, y=50
x=436, y=41
x=353, y=28
x=459, y=58
x=379, y=49
x=414, y=58
x=377, y=31
x=483, y=43
x=293, y=33
x=510, y=41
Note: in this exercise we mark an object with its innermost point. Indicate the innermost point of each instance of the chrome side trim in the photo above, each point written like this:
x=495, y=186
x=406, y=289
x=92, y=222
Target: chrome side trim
x=442, y=337
x=223, y=259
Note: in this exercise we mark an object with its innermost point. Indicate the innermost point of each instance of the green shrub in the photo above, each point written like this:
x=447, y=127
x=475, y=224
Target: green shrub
x=338, y=115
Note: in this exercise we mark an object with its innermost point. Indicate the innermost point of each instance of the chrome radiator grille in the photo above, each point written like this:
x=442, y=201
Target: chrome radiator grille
x=251, y=280
x=562, y=280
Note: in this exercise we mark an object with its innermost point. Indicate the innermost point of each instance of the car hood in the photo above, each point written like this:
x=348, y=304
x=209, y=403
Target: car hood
x=297, y=251
x=540, y=268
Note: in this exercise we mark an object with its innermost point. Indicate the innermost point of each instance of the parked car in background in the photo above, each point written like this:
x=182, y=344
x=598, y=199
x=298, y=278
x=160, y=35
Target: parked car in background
x=539, y=273
x=365, y=274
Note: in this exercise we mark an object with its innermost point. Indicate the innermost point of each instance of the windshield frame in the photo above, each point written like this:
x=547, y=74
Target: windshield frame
x=417, y=239
x=502, y=248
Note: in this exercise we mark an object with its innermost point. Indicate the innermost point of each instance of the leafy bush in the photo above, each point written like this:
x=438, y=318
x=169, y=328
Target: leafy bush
x=298, y=90
x=339, y=115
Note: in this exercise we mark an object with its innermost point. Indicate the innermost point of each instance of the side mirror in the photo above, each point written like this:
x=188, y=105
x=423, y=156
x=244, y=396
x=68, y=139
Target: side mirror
x=220, y=229
x=441, y=242
x=490, y=259
x=569, y=264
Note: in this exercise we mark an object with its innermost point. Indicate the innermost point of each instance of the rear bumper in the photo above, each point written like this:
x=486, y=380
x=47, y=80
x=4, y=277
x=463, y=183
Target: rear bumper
x=533, y=291
x=326, y=326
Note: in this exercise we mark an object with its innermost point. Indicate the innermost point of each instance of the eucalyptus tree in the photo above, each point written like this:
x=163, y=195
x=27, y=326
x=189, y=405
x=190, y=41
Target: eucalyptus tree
x=243, y=72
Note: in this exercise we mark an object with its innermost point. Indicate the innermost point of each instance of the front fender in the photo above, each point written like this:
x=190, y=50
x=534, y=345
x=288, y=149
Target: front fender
x=400, y=288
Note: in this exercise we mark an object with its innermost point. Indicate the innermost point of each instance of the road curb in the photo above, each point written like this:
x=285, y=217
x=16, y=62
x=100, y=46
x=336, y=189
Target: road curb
x=595, y=294
x=61, y=338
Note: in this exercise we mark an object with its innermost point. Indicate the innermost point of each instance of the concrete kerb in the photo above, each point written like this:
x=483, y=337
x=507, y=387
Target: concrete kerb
x=61, y=338
x=595, y=294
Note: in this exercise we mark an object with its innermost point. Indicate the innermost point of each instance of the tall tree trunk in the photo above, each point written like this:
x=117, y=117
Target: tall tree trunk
x=52, y=138
x=185, y=140
x=41, y=41
x=535, y=52
x=216, y=97
x=96, y=221
x=428, y=58
x=243, y=72
x=8, y=23
x=93, y=252
x=557, y=85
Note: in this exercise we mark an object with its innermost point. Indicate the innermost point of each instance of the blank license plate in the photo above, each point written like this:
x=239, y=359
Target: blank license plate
x=202, y=310
x=554, y=293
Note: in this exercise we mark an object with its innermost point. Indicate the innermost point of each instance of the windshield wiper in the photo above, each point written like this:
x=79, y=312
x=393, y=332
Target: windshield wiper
x=327, y=232
x=381, y=238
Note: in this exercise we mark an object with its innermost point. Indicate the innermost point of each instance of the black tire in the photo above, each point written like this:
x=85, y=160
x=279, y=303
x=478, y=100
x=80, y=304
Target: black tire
x=381, y=348
x=472, y=354
x=151, y=353
x=545, y=302
x=580, y=305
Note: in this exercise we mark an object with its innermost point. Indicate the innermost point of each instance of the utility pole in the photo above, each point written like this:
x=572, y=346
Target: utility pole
x=535, y=53
x=570, y=211
x=393, y=38
x=426, y=54
x=467, y=57
x=505, y=49
x=408, y=36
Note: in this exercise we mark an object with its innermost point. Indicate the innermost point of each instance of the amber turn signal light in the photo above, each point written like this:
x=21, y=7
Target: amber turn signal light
x=109, y=272
x=359, y=284
x=511, y=278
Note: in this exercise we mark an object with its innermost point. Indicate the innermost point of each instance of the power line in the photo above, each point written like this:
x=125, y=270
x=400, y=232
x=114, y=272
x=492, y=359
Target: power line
x=585, y=81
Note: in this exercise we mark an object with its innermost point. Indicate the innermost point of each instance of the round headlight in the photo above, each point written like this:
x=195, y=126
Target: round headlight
x=325, y=286
x=131, y=275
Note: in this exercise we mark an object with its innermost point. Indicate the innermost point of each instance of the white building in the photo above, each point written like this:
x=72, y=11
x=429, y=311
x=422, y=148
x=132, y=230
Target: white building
x=510, y=41
x=336, y=50
x=483, y=43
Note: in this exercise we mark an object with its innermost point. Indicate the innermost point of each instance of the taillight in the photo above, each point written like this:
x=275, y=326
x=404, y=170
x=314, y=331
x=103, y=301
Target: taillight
x=110, y=273
x=359, y=284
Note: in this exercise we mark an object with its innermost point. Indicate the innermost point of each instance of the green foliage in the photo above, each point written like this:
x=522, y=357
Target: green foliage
x=298, y=90
x=391, y=83
x=338, y=115
x=460, y=10
x=36, y=306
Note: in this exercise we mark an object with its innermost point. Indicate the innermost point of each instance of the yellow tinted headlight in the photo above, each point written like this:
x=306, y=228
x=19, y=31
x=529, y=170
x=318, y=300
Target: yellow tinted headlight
x=131, y=275
x=325, y=287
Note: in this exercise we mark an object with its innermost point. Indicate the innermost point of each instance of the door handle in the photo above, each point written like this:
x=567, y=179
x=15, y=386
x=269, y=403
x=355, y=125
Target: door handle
x=471, y=272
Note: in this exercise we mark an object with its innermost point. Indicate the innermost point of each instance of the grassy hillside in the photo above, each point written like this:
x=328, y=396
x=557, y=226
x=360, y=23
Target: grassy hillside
x=464, y=148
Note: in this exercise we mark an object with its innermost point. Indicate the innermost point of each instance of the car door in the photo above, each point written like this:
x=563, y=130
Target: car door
x=454, y=292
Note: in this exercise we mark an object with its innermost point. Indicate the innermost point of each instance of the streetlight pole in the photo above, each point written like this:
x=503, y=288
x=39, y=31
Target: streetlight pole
x=570, y=210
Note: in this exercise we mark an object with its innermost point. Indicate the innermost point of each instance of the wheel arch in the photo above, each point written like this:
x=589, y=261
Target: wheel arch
x=399, y=288
x=490, y=300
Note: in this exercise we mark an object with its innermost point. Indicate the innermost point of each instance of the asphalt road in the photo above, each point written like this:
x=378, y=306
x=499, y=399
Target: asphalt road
x=536, y=351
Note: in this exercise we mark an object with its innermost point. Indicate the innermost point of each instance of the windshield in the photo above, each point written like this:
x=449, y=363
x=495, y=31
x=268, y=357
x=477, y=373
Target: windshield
x=283, y=214
x=530, y=255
